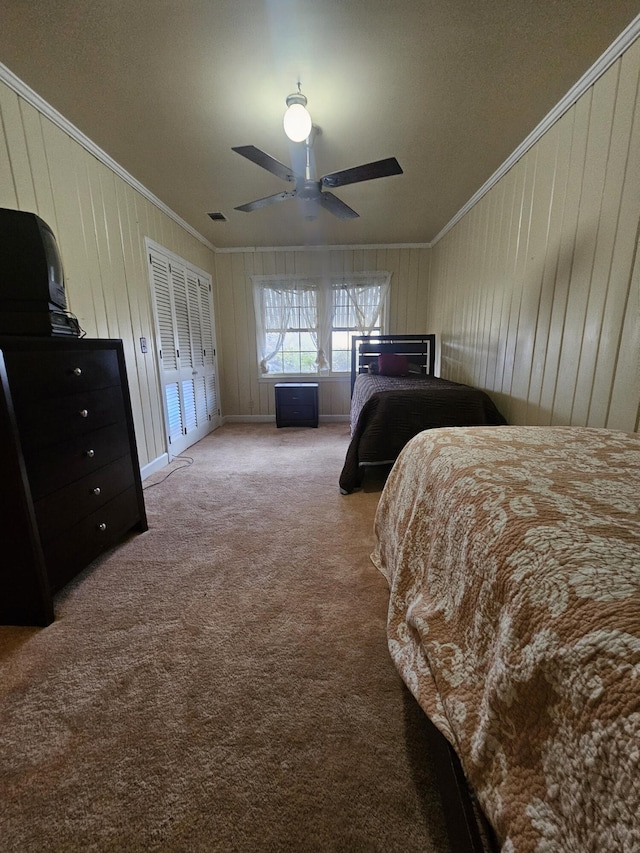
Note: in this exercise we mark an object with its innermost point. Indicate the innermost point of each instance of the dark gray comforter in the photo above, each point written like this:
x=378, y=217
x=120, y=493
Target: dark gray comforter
x=388, y=411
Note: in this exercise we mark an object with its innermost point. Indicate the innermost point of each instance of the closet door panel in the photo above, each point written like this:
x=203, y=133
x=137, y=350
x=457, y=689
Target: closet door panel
x=184, y=326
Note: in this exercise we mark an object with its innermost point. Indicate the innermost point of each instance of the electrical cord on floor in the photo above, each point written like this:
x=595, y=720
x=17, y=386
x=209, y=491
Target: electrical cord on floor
x=187, y=459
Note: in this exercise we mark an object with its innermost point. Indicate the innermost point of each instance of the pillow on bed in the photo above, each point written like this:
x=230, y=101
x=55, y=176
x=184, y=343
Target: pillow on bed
x=392, y=364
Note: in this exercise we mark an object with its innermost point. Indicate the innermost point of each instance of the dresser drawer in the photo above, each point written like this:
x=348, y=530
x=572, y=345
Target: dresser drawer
x=50, y=421
x=49, y=469
x=65, y=555
x=39, y=374
x=59, y=510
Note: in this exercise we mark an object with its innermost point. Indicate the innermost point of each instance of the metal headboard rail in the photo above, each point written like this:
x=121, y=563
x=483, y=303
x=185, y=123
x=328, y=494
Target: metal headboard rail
x=419, y=349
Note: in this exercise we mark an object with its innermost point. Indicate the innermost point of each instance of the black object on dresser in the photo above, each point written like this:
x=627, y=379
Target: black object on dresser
x=296, y=404
x=70, y=486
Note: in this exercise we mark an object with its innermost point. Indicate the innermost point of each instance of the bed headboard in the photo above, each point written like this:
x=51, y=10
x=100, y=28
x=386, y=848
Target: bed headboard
x=420, y=351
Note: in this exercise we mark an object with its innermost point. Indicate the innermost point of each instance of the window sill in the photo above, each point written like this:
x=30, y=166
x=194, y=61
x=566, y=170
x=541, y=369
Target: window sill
x=272, y=378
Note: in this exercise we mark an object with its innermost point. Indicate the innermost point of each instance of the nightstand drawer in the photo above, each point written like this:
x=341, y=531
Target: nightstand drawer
x=297, y=413
x=297, y=396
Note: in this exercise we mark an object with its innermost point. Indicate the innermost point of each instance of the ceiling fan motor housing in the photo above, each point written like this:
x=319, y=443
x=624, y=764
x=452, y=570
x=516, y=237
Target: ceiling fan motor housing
x=308, y=189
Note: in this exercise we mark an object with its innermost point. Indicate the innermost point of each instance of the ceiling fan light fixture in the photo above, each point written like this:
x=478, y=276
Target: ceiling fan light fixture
x=297, y=121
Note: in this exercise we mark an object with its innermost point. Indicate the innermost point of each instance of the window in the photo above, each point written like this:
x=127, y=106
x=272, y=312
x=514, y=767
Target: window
x=305, y=325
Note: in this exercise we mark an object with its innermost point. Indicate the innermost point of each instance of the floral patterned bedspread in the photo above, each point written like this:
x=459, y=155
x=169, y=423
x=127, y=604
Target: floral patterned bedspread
x=513, y=561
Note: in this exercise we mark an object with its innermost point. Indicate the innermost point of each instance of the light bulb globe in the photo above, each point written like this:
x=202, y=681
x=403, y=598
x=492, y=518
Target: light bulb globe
x=297, y=123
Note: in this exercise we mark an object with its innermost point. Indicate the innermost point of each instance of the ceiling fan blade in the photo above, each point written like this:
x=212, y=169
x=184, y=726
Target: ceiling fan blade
x=336, y=206
x=266, y=161
x=264, y=202
x=367, y=172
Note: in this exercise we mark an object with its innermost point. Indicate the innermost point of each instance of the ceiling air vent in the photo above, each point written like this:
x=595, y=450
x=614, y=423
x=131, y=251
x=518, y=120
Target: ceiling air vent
x=217, y=216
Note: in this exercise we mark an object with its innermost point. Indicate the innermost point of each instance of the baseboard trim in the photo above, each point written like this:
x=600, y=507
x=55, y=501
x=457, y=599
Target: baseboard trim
x=155, y=465
x=265, y=419
x=248, y=419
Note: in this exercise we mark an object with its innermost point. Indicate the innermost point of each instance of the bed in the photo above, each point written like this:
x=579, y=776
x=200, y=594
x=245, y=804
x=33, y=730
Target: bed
x=395, y=395
x=513, y=561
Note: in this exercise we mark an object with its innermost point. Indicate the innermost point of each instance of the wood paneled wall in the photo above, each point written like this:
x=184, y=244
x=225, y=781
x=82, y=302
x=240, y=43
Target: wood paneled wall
x=535, y=292
x=100, y=222
x=243, y=393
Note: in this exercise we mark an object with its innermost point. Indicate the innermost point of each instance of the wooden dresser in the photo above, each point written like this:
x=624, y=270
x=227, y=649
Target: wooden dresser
x=70, y=479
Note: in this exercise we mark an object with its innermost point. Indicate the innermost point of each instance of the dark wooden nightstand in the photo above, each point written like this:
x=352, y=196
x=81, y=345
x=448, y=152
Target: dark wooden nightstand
x=296, y=404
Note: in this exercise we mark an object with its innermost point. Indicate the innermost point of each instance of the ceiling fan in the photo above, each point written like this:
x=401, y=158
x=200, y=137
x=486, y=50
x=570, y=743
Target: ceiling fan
x=306, y=187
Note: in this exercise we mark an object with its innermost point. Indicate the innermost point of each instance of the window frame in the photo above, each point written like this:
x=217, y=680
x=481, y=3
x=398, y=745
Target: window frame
x=323, y=286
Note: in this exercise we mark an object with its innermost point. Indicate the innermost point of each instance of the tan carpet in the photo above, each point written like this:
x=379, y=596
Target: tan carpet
x=221, y=682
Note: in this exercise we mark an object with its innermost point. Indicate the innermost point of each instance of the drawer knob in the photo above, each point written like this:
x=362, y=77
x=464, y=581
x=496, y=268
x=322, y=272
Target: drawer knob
x=84, y=413
x=97, y=491
x=102, y=526
x=77, y=371
x=91, y=453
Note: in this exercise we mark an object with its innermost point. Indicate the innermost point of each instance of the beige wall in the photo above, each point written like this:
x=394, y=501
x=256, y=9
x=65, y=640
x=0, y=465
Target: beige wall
x=100, y=223
x=535, y=292
x=243, y=393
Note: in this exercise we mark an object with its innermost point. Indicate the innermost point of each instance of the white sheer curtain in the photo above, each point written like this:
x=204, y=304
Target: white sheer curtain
x=283, y=303
x=315, y=313
x=308, y=299
x=273, y=308
x=366, y=299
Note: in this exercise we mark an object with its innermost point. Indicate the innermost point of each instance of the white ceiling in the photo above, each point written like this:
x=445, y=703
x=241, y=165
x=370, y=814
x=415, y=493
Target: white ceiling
x=168, y=87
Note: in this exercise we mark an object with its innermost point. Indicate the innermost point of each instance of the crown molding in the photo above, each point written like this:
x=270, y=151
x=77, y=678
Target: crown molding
x=611, y=55
x=341, y=247
x=27, y=93
x=31, y=97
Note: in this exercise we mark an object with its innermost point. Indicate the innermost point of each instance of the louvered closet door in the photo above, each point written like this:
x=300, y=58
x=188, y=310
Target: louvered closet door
x=204, y=343
x=184, y=321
